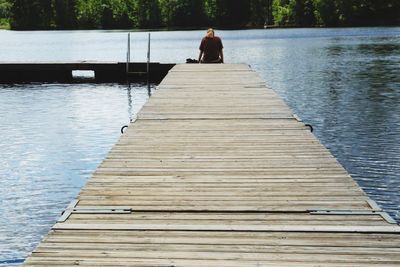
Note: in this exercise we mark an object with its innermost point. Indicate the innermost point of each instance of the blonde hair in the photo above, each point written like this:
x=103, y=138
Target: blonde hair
x=210, y=33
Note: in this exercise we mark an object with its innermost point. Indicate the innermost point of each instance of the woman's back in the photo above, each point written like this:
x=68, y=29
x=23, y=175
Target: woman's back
x=211, y=49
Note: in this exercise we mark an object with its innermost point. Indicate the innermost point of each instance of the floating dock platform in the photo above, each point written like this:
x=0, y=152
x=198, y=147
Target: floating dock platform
x=217, y=171
x=17, y=72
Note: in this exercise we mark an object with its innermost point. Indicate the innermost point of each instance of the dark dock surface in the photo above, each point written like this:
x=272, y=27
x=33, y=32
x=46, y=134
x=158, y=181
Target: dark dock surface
x=17, y=72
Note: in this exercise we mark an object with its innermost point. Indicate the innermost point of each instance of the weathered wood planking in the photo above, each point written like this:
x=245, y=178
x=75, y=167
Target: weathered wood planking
x=218, y=172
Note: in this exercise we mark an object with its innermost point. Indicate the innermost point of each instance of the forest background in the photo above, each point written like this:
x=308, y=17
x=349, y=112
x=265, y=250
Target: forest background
x=192, y=14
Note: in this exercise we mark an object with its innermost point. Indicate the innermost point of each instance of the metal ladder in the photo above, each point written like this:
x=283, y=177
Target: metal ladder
x=128, y=58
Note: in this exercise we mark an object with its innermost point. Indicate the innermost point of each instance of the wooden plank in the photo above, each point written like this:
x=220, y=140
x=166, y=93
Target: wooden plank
x=237, y=238
x=232, y=228
x=219, y=172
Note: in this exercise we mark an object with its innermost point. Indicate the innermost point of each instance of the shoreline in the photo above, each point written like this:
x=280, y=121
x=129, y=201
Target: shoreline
x=197, y=28
x=268, y=27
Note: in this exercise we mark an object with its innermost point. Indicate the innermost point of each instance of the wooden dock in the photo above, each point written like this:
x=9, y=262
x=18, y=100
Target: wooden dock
x=216, y=171
x=17, y=72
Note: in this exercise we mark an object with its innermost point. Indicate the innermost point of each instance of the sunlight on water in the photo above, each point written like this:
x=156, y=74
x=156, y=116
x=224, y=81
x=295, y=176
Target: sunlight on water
x=53, y=138
x=345, y=82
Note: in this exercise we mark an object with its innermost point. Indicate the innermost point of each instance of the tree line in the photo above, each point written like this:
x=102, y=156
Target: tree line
x=336, y=12
x=147, y=14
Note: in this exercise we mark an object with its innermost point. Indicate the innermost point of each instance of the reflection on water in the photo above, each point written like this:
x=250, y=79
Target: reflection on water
x=345, y=82
x=52, y=139
x=350, y=91
x=372, y=154
x=382, y=49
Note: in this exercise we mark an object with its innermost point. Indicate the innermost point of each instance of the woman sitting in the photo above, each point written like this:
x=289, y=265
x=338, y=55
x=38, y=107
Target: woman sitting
x=211, y=48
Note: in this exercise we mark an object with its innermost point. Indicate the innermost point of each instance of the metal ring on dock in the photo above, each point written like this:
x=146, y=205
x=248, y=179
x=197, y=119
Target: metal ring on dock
x=310, y=126
x=123, y=128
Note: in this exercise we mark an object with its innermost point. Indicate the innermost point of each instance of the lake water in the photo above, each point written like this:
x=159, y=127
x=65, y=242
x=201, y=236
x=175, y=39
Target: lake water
x=345, y=82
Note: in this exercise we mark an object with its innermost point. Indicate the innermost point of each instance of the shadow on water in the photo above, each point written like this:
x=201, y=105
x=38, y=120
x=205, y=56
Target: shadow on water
x=335, y=50
x=129, y=92
x=149, y=86
x=380, y=49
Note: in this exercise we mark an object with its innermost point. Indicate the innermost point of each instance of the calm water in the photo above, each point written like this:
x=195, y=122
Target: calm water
x=345, y=82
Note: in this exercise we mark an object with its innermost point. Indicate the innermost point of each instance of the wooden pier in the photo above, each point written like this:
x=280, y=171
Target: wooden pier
x=216, y=171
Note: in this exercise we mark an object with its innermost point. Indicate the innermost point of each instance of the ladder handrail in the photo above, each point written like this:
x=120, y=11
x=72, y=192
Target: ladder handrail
x=128, y=53
x=128, y=56
x=148, y=59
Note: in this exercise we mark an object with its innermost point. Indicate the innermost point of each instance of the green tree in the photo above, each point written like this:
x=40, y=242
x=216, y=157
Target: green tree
x=348, y=11
x=107, y=20
x=231, y=13
x=89, y=13
x=283, y=11
x=110, y=14
x=31, y=14
x=260, y=13
x=5, y=13
x=189, y=13
x=210, y=7
x=46, y=13
x=166, y=12
x=99, y=13
x=367, y=12
x=5, y=8
x=65, y=16
x=385, y=12
x=148, y=14
x=326, y=12
x=303, y=14
x=183, y=13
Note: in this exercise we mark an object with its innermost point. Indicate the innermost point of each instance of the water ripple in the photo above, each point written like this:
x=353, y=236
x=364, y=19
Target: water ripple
x=53, y=138
x=345, y=82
